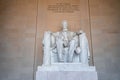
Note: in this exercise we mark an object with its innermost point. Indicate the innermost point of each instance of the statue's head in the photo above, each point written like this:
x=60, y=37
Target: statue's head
x=64, y=24
x=81, y=31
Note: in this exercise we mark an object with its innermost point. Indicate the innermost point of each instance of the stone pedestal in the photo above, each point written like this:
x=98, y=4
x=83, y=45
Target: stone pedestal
x=66, y=71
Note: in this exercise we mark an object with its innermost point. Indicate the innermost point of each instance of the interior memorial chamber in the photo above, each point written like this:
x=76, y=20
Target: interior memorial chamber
x=24, y=22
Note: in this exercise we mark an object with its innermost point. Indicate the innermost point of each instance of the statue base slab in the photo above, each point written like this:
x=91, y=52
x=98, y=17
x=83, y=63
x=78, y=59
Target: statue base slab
x=66, y=71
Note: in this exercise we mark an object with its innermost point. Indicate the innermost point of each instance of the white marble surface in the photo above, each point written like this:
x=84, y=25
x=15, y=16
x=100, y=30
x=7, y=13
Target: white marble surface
x=66, y=67
x=66, y=75
x=66, y=71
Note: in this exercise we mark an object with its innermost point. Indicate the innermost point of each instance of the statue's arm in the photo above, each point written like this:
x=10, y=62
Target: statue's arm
x=53, y=40
x=74, y=34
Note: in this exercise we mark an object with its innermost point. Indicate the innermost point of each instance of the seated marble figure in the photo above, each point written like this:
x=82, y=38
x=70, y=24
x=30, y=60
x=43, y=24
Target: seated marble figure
x=65, y=47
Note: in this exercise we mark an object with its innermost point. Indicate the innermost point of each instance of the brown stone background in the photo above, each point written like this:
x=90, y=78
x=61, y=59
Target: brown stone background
x=22, y=23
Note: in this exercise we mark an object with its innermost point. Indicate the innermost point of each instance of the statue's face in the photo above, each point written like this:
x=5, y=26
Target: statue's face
x=64, y=23
x=81, y=31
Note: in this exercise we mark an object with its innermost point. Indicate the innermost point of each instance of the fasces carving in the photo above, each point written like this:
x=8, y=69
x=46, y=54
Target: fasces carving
x=65, y=47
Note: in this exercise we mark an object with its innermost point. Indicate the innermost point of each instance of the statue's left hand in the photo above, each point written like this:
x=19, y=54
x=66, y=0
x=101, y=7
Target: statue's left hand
x=78, y=50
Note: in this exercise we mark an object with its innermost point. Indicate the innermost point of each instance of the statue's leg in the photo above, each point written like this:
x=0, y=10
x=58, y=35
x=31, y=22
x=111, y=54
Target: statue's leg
x=71, y=50
x=60, y=50
x=65, y=54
